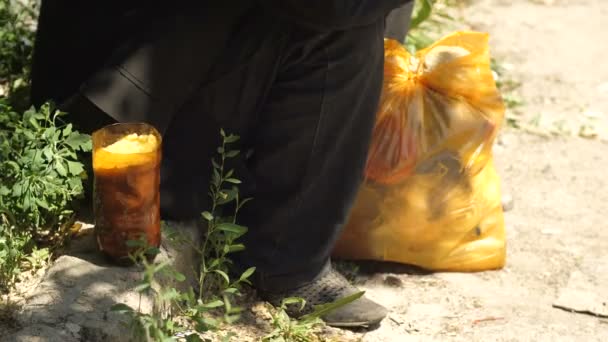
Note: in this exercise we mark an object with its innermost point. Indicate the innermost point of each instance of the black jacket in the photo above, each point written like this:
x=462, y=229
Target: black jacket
x=332, y=14
x=76, y=38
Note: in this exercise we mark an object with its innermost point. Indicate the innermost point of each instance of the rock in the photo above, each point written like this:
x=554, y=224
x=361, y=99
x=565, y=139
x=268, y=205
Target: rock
x=393, y=281
x=507, y=202
x=80, y=288
x=39, y=333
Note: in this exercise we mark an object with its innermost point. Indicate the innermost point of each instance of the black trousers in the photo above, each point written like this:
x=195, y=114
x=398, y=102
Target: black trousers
x=303, y=101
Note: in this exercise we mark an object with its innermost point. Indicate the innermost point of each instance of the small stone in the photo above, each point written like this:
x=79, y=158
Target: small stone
x=393, y=281
x=507, y=202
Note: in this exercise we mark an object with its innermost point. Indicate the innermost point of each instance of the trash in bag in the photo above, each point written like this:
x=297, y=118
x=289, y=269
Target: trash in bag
x=432, y=195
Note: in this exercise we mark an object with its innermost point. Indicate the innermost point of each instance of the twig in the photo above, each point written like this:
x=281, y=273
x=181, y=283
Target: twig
x=396, y=321
x=487, y=319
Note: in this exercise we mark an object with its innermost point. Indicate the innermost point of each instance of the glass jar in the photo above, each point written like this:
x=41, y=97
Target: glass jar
x=126, y=196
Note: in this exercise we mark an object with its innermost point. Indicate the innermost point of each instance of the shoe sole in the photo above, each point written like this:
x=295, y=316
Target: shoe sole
x=366, y=324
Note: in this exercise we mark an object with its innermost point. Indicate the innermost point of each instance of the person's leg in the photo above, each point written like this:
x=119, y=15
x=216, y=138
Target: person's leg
x=305, y=103
x=310, y=146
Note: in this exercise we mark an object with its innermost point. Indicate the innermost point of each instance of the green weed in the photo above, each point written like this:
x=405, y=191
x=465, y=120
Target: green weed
x=212, y=303
x=40, y=181
x=429, y=19
x=17, y=30
x=304, y=329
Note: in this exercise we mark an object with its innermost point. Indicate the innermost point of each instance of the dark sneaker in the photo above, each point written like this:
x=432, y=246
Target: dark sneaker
x=327, y=288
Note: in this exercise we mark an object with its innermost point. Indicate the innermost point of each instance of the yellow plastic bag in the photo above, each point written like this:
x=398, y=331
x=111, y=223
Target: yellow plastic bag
x=432, y=195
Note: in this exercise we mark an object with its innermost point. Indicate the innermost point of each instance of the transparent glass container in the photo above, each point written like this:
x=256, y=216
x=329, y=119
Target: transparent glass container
x=126, y=196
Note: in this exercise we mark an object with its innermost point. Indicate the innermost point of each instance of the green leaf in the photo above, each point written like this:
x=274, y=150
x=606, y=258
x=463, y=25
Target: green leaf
x=48, y=153
x=17, y=190
x=161, y=266
x=207, y=216
x=210, y=322
x=29, y=135
x=230, y=196
x=214, y=163
x=87, y=146
x=179, y=276
x=42, y=203
x=34, y=122
x=121, y=307
x=67, y=130
x=214, y=263
x=248, y=273
x=422, y=12
x=75, y=168
x=232, y=154
x=216, y=178
x=27, y=203
x=170, y=294
x=61, y=169
x=231, y=318
x=222, y=132
x=231, y=139
x=151, y=250
x=79, y=141
x=293, y=301
x=220, y=150
x=231, y=290
x=141, y=287
x=214, y=304
x=232, y=228
x=322, y=310
x=233, y=181
x=245, y=201
x=235, y=248
x=224, y=275
x=16, y=168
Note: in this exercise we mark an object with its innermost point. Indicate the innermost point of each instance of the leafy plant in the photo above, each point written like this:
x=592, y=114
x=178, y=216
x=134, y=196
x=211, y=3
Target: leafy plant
x=428, y=19
x=197, y=309
x=304, y=329
x=40, y=173
x=38, y=258
x=40, y=180
x=17, y=29
x=13, y=246
x=222, y=233
x=160, y=325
